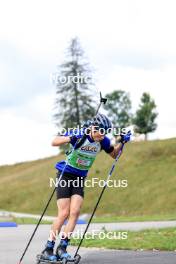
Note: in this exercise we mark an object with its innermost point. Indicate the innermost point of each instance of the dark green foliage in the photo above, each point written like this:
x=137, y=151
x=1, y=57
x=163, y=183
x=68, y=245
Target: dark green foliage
x=146, y=115
x=118, y=107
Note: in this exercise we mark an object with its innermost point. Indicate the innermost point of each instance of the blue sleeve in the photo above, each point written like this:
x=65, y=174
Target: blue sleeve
x=74, y=139
x=76, y=134
x=106, y=145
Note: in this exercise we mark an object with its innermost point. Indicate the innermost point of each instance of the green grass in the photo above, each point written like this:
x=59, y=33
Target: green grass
x=161, y=239
x=99, y=219
x=112, y=219
x=24, y=220
x=29, y=221
x=149, y=167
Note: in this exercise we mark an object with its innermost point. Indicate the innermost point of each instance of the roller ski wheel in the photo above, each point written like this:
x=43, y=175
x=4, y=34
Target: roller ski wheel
x=38, y=262
x=64, y=261
x=74, y=260
x=64, y=258
x=77, y=259
x=41, y=260
x=38, y=259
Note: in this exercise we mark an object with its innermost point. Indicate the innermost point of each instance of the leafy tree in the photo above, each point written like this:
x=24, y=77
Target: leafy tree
x=74, y=88
x=145, y=116
x=118, y=107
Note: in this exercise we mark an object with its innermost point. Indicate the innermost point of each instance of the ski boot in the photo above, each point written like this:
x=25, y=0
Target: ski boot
x=47, y=254
x=61, y=251
x=62, y=254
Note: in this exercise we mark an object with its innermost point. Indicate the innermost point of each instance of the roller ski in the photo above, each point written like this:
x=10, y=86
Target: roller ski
x=74, y=260
x=61, y=257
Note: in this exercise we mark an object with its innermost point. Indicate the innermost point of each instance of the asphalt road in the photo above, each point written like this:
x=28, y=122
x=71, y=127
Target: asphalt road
x=14, y=240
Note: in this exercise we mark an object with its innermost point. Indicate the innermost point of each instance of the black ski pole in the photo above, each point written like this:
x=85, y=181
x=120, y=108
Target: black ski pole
x=37, y=225
x=101, y=194
x=102, y=100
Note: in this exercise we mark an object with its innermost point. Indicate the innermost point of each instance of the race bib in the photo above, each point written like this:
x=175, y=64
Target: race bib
x=83, y=162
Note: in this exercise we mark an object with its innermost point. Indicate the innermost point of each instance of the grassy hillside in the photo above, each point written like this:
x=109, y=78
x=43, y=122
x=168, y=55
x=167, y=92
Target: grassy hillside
x=154, y=239
x=149, y=167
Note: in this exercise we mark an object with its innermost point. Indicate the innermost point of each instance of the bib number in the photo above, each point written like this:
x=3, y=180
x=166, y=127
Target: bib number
x=83, y=162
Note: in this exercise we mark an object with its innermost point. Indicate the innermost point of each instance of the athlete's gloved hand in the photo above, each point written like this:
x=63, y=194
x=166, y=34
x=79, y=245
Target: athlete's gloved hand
x=125, y=137
x=76, y=134
x=87, y=124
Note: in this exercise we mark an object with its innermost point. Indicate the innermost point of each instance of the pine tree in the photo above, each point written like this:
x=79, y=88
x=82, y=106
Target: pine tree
x=145, y=116
x=74, y=89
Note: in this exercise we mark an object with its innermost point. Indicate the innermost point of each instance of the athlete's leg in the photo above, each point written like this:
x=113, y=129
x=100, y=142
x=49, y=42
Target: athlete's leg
x=63, y=212
x=76, y=199
x=63, y=193
x=63, y=205
x=75, y=207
